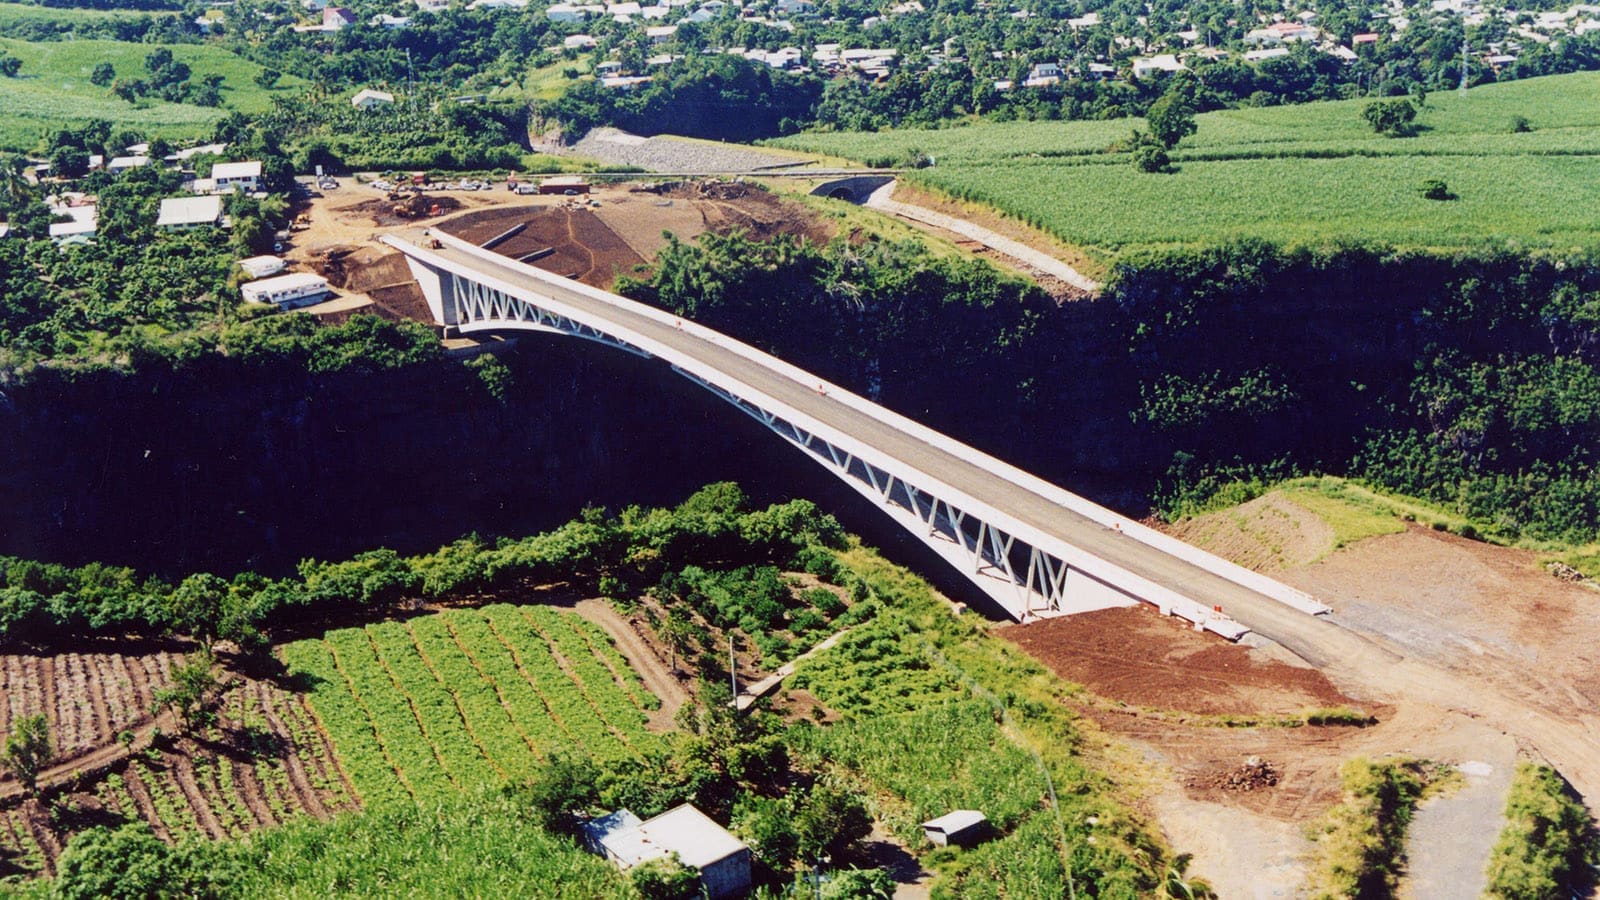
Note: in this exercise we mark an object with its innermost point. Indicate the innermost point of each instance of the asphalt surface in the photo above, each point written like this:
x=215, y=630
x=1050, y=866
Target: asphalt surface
x=1311, y=637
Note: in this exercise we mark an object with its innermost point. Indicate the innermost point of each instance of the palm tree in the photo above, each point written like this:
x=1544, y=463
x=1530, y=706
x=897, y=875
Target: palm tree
x=14, y=184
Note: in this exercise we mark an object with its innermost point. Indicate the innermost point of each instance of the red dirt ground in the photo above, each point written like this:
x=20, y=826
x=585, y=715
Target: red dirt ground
x=1139, y=657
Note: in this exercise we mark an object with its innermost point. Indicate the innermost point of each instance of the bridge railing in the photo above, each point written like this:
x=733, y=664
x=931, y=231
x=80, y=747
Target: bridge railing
x=1101, y=515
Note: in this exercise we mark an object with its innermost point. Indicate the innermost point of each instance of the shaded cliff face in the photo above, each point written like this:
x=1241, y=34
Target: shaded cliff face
x=259, y=469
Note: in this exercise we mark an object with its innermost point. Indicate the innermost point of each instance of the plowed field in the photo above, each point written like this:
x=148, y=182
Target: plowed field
x=263, y=762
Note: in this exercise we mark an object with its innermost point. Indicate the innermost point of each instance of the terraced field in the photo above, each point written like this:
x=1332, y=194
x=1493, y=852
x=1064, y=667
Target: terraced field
x=443, y=703
x=265, y=761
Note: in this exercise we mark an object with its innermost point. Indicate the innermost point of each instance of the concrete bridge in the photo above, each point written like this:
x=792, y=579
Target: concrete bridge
x=1035, y=549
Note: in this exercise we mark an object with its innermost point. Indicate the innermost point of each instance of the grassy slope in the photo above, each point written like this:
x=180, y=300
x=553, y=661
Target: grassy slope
x=1257, y=173
x=54, y=90
x=27, y=12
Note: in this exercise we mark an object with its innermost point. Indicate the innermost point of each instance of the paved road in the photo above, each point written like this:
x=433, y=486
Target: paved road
x=1358, y=665
x=1267, y=616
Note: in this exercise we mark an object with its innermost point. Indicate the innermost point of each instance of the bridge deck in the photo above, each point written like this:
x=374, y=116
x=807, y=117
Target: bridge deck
x=1266, y=615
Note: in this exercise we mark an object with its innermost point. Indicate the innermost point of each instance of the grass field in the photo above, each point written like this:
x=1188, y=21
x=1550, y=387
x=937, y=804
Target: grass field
x=53, y=89
x=468, y=699
x=1300, y=174
x=27, y=12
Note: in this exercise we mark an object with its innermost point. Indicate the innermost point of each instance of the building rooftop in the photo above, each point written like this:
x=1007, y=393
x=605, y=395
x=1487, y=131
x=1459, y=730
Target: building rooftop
x=684, y=830
x=236, y=170
x=954, y=821
x=291, y=281
x=177, y=211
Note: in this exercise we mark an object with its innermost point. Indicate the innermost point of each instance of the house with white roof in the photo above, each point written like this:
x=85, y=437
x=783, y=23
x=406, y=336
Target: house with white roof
x=81, y=224
x=286, y=291
x=124, y=163
x=239, y=176
x=722, y=859
x=1150, y=65
x=367, y=98
x=184, y=213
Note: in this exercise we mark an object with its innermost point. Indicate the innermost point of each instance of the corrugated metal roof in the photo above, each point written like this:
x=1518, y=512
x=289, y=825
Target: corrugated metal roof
x=686, y=831
x=954, y=821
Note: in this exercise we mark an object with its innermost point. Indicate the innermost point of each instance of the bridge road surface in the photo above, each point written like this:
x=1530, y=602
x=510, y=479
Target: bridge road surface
x=1313, y=638
x=1356, y=664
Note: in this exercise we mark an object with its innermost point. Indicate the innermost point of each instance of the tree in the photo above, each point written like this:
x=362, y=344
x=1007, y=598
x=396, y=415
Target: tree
x=562, y=785
x=1392, y=117
x=858, y=884
x=69, y=162
x=267, y=77
x=192, y=684
x=1149, y=154
x=830, y=821
x=675, y=631
x=9, y=65
x=26, y=750
x=665, y=879
x=103, y=74
x=130, y=862
x=1171, y=119
x=1435, y=189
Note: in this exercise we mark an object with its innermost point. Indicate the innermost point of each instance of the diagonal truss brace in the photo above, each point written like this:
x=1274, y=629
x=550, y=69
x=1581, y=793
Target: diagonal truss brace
x=481, y=307
x=1026, y=580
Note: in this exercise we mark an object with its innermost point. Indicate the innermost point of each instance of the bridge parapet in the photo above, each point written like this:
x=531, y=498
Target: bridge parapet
x=990, y=519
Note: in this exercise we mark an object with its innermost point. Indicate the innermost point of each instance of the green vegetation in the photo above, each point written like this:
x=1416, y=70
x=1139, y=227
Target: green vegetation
x=1352, y=516
x=1549, y=847
x=58, y=92
x=26, y=750
x=940, y=715
x=464, y=700
x=1361, y=842
x=1297, y=174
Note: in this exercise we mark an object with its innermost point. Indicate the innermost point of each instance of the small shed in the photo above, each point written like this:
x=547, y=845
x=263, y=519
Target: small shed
x=962, y=827
x=262, y=266
x=723, y=860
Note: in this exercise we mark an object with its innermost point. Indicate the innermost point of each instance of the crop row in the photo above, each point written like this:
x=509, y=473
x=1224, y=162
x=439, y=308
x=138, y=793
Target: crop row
x=360, y=748
x=598, y=680
x=483, y=710
x=466, y=698
x=605, y=647
x=497, y=666
x=566, y=699
x=433, y=706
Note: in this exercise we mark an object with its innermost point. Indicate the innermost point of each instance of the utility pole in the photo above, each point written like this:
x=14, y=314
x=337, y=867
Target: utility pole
x=733, y=670
x=1463, y=56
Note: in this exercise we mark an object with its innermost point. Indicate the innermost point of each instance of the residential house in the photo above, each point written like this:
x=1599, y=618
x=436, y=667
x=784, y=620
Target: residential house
x=286, y=291
x=336, y=18
x=184, y=213
x=124, y=163
x=1146, y=66
x=722, y=860
x=82, y=222
x=239, y=176
x=367, y=98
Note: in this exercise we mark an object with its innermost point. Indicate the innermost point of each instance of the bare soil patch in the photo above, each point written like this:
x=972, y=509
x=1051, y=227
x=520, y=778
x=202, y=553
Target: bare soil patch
x=263, y=736
x=1136, y=656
